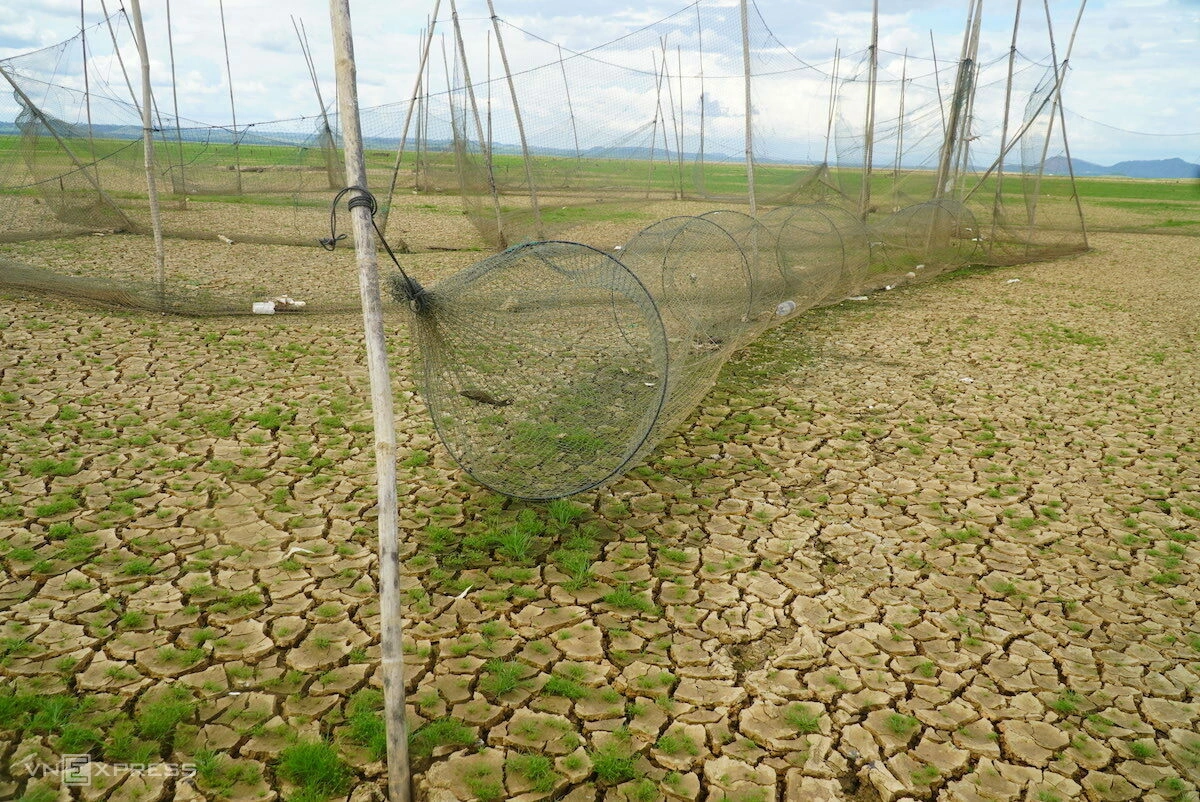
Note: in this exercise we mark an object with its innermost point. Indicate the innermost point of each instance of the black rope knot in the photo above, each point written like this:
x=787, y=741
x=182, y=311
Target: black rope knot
x=404, y=287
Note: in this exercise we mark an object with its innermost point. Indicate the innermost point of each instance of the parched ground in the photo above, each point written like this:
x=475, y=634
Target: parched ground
x=939, y=544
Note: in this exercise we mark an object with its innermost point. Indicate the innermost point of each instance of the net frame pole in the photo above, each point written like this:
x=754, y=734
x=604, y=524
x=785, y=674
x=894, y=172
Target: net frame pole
x=964, y=136
x=484, y=145
x=899, y=134
x=87, y=90
x=181, y=187
x=512, y=90
x=570, y=108
x=387, y=207
x=864, y=203
x=745, y=15
x=997, y=199
x=700, y=48
x=330, y=156
x=148, y=152
x=237, y=158
x=121, y=61
x=946, y=159
x=79, y=165
x=833, y=76
x=390, y=618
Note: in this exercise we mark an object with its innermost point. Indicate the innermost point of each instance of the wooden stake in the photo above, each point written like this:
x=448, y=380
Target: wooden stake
x=390, y=633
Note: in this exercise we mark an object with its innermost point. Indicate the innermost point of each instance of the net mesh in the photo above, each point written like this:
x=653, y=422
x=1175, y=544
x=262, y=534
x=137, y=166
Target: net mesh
x=553, y=365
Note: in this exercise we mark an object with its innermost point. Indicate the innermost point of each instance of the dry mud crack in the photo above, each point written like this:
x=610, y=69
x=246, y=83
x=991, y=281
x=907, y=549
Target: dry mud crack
x=938, y=545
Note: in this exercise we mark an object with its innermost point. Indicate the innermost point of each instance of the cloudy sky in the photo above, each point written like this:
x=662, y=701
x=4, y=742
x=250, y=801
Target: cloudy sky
x=1132, y=91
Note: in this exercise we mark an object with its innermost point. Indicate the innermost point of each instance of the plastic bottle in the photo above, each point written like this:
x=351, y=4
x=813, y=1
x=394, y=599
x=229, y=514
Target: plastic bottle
x=785, y=308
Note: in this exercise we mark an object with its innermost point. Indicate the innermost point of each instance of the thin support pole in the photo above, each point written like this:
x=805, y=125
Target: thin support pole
x=937, y=84
x=512, y=90
x=87, y=90
x=408, y=117
x=654, y=124
x=79, y=165
x=749, y=108
x=237, y=159
x=833, y=76
x=116, y=49
x=484, y=145
x=674, y=121
x=390, y=600
x=864, y=204
x=148, y=149
x=327, y=146
x=946, y=160
x=997, y=201
x=700, y=46
x=570, y=108
x=899, y=135
x=181, y=185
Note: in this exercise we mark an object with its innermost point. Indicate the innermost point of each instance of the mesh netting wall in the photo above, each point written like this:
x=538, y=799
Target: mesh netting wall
x=552, y=366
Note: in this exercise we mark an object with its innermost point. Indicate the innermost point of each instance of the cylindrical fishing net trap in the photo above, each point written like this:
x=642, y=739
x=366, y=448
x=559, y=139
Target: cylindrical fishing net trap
x=552, y=367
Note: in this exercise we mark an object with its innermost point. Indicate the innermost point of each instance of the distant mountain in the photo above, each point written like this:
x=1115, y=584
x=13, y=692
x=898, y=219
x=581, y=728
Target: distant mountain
x=1145, y=168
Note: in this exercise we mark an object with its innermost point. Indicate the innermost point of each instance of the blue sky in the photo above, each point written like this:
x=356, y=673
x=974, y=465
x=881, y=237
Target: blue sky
x=1131, y=92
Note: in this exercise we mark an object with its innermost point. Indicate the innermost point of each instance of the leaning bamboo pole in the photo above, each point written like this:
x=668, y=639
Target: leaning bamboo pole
x=864, y=203
x=148, y=148
x=179, y=185
x=485, y=145
x=408, y=118
x=327, y=145
x=749, y=109
x=998, y=198
x=512, y=90
x=390, y=631
x=237, y=159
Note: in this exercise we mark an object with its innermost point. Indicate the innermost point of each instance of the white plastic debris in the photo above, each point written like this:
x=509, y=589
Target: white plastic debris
x=858, y=298
x=1013, y=281
x=919, y=267
x=225, y=239
x=910, y=274
x=785, y=308
x=285, y=303
x=263, y=307
x=967, y=380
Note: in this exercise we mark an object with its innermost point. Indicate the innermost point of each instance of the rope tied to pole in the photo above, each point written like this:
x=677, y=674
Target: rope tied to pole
x=408, y=289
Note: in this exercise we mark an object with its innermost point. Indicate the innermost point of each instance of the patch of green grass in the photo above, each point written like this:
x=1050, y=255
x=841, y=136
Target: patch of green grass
x=365, y=725
x=316, y=768
x=801, y=719
x=52, y=467
x=560, y=686
x=537, y=769
x=501, y=677
x=626, y=599
x=613, y=765
x=900, y=724
x=440, y=732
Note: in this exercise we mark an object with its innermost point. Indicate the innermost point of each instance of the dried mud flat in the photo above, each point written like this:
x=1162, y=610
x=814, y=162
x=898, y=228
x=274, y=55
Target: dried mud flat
x=940, y=544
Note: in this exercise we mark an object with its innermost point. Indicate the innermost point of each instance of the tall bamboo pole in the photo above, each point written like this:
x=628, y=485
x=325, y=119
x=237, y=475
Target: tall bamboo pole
x=957, y=102
x=512, y=90
x=833, y=76
x=964, y=148
x=148, y=148
x=390, y=633
x=703, y=185
x=864, y=203
x=116, y=49
x=237, y=159
x=749, y=108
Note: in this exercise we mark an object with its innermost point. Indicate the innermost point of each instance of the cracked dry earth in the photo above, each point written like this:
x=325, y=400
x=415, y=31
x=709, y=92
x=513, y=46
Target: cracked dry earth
x=937, y=545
